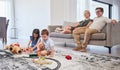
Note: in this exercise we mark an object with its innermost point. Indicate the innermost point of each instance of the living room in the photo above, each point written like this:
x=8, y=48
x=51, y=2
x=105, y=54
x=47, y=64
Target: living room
x=26, y=15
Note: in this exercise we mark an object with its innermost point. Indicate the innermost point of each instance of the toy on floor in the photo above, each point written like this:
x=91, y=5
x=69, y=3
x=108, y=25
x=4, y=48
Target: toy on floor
x=33, y=55
x=41, y=61
x=28, y=50
x=68, y=57
x=15, y=48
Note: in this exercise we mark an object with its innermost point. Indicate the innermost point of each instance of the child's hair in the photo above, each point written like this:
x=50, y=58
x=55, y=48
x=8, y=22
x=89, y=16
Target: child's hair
x=36, y=31
x=44, y=32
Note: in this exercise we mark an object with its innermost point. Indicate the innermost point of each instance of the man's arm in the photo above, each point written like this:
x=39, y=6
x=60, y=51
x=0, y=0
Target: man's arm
x=113, y=21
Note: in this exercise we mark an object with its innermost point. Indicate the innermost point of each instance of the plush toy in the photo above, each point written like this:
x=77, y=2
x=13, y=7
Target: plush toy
x=28, y=50
x=14, y=48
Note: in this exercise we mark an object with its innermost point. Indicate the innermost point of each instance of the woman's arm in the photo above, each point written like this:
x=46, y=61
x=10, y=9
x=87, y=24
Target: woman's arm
x=75, y=25
x=36, y=45
x=86, y=25
x=89, y=24
x=29, y=43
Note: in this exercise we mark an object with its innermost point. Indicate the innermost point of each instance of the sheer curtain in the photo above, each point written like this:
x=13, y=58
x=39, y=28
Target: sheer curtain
x=81, y=6
x=116, y=10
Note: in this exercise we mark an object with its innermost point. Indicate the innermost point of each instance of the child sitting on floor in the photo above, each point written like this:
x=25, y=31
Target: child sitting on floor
x=46, y=46
x=33, y=40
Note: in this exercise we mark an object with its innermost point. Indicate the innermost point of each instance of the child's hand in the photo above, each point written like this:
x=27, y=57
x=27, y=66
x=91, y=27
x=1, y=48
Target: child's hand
x=51, y=55
x=31, y=49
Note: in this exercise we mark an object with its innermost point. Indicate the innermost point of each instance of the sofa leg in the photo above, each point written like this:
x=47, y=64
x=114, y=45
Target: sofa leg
x=65, y=44
x=109, y=48
x=3, y=42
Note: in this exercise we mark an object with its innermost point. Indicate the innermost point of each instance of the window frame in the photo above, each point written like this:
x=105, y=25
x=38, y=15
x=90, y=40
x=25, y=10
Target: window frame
x=109, y=7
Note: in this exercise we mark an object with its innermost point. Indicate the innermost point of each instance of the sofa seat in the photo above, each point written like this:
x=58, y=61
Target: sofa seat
x=96, y=36
x=61, y=35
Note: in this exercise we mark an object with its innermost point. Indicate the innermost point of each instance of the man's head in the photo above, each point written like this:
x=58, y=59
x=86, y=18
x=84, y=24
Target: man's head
x=99, y=11
x=45, y=34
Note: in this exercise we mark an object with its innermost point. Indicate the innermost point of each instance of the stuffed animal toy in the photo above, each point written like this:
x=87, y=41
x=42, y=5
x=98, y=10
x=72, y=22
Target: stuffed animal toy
x=28, y=50
x=14, y=48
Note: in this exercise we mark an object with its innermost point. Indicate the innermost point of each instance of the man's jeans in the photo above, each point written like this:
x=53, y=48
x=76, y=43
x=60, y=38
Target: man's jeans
x=87, y=34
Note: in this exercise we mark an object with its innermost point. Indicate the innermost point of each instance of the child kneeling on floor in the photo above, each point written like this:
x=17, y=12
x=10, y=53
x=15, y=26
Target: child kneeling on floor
x=46, y=45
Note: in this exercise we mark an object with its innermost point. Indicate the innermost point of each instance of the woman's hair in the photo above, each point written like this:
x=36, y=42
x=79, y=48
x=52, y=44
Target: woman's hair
x=35, y=31
x=87, y=12
x=44, y=32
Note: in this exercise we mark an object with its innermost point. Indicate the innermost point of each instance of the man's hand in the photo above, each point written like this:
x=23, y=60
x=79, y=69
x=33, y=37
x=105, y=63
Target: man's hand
x=113, y=21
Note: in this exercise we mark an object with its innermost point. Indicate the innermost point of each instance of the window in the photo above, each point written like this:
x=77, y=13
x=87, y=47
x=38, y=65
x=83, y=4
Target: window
x=94, y=4
x=90, y=5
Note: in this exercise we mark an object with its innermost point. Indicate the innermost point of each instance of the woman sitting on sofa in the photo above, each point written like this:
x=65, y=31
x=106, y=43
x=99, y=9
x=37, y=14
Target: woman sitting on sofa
x=83, y=24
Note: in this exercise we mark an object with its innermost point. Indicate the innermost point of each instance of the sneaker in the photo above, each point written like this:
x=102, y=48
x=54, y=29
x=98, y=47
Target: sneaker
x=83, y=49
x=77, y=48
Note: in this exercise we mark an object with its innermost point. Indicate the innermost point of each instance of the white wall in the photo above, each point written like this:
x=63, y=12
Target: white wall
x=57, y=11
x=30, y=14
x=63, y=10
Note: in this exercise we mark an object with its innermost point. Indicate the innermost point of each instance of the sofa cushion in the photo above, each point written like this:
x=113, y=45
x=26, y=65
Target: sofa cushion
x=60, y=35
x=96, y=36
x=66, y=23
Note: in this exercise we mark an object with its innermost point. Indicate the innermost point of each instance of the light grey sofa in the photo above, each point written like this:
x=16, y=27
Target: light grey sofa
x=109, y=36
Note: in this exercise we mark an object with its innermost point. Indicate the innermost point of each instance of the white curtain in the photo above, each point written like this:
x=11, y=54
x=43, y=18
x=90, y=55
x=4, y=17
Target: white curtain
x=82, y=5
x=116, y=10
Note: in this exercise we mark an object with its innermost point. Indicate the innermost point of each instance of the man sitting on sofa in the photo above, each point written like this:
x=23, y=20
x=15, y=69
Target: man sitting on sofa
x=84, y=23
x=97, y=25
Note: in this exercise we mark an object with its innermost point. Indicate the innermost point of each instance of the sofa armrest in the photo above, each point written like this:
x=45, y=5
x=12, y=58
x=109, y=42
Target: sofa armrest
x=115, y=34
x=52, y=28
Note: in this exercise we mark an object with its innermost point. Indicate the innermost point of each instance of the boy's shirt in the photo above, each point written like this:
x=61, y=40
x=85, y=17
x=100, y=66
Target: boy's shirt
x=48, y=43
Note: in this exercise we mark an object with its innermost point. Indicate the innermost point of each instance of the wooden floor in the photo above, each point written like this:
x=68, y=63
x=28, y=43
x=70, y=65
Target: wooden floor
x=90, y=48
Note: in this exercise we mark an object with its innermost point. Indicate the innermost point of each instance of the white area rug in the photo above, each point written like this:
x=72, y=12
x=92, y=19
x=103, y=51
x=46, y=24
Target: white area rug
x=86, y=61
x=80, y=61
